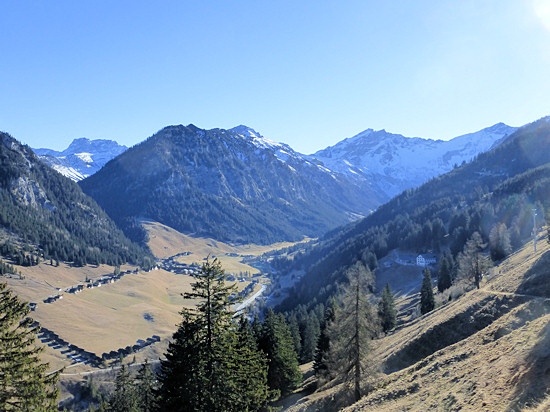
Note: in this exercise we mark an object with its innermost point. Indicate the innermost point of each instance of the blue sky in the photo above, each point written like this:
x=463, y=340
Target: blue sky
x=308, y=73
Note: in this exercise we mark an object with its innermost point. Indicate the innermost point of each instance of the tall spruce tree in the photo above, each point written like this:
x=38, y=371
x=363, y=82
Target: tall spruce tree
x=427, y=301
x=354, y=326
x=276, y=341
x=125, y=396
x=295, y=332
x=444, y=274
x=210, y=365
x=323, y=343
x=24, y=383
x=146, y=386
x=386, y=309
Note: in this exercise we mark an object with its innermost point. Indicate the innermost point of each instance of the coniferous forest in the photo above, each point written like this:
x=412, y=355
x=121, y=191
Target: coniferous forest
x=49, y=217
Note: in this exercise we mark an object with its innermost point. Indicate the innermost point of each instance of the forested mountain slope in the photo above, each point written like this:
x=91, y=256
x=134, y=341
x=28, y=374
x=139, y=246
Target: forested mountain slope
x=50, y=216
x=489, y=350
x=232, y=185
x=501, y=186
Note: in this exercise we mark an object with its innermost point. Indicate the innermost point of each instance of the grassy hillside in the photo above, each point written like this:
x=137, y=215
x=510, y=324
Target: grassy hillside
x=487, y=351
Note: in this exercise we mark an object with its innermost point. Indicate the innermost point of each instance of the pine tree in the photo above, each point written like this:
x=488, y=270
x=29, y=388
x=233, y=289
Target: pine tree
x=427, y=301
x=386, y=309
x=310, y=335
x=276, y=341
x=251, y=372
x=295, y=332
x=323, y=343
x=444, y=275
x=125, y=397
x=210, y=365
x=351, y=331
x=146, y=387
x=24, y=384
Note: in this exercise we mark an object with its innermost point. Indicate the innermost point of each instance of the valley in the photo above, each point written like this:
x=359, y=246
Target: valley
x=105, y=285
x=140, y=305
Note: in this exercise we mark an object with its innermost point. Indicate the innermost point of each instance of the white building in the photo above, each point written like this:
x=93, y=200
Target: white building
x=425, y=260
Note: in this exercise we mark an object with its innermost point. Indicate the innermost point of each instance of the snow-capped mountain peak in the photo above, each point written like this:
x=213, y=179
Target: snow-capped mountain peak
x=282, y=151
x=82, y=158
x=395, y=162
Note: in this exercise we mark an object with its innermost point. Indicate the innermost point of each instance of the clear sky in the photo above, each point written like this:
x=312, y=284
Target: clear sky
x=307, y=73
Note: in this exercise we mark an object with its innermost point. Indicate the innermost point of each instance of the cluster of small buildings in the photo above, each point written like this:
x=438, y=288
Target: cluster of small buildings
x=89, y=284
x=141, y=344
x=51, y=299
x=78, y=354
x=173, y=266
x=74, y=352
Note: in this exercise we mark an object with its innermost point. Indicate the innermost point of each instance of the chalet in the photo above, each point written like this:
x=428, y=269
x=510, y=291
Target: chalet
x=425, y=260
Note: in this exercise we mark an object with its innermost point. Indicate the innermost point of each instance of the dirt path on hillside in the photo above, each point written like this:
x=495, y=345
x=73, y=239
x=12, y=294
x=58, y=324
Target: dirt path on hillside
x=112, y=368
x=510, y=294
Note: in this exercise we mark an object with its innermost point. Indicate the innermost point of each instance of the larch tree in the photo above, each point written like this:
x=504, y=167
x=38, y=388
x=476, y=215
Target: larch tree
x=24, y=383
x=499, y=241
x=209, y=365
x=354, y=326
x=472, y=263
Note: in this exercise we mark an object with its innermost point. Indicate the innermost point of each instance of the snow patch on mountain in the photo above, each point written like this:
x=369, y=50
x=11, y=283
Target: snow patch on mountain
x=82, y=158
x=395, y=162
x=282, y=151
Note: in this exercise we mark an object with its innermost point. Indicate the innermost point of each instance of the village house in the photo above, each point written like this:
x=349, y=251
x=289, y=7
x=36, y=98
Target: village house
x=425, y=260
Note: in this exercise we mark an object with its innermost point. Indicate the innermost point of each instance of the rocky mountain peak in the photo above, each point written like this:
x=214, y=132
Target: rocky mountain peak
x=82, y=158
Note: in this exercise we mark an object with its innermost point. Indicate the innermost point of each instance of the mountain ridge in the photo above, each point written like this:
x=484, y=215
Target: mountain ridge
x=49, y=214
x=225, y=183
x=398, y=163
x=82, y=158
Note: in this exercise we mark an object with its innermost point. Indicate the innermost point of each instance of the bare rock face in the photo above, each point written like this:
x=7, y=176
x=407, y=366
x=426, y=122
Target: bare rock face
x=28, y=193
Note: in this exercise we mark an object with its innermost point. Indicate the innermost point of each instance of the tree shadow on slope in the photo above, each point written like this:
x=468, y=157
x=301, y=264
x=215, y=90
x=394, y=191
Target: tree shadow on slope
x=536, y=281
x=532, y=385
x=475, y=318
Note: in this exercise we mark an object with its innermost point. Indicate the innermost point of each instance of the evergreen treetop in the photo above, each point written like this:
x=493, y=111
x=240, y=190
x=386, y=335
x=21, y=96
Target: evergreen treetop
x=24, y=383
x=212, y=364
x=427, y=301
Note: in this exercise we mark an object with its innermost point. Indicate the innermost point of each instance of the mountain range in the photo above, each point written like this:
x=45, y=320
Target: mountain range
x=229, y=184
x=82, y=158
x=235, y=183
x=396, y=163
x=500, y=186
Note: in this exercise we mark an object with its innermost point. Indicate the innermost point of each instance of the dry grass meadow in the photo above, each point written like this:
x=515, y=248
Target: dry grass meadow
x=136, y=307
